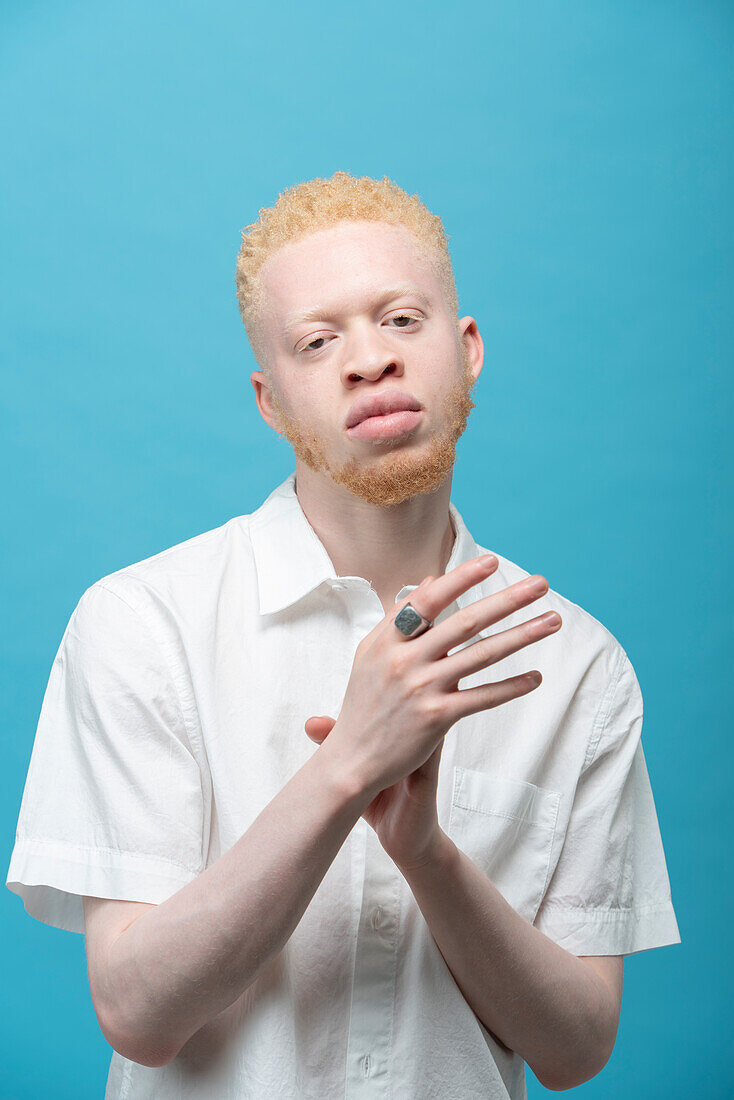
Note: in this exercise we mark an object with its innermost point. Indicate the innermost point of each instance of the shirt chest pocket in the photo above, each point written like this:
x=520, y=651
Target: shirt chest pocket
x=506, y=826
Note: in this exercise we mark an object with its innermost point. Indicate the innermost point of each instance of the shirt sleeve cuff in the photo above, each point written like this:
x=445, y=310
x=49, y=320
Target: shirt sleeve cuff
x=52, y=878
x=610, y=931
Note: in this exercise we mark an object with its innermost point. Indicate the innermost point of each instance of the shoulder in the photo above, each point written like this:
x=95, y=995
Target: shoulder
x=179, y=584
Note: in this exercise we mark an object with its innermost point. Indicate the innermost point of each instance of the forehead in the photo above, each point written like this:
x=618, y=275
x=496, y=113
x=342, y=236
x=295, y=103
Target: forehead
x=342, y=268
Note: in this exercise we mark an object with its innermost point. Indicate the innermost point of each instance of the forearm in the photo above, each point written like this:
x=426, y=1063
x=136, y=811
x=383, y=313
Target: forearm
x=536, y=998
x=186, y=960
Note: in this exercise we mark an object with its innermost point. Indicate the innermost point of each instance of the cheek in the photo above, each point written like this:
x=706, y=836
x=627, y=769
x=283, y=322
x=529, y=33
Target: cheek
x=304, y=401
x=439, y=362
x=439, y=341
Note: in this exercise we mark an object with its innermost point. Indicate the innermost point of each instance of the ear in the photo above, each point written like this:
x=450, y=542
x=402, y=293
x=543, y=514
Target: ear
x=472, y=340
x=263, y=398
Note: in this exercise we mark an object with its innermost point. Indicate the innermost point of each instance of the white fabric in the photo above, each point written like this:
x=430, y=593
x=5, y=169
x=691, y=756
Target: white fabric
x=175, y=712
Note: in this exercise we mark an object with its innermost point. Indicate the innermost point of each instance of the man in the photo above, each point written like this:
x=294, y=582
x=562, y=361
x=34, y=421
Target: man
x=318, y=844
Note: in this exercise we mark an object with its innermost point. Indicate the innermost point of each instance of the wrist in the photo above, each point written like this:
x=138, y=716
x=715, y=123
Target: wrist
x=435, y=858
x=344, y=774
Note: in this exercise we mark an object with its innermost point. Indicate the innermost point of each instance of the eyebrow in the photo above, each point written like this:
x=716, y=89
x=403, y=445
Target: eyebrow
x=319, y=312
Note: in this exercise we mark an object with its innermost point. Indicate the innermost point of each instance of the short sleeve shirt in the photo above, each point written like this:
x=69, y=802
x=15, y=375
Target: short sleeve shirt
x=174, y=713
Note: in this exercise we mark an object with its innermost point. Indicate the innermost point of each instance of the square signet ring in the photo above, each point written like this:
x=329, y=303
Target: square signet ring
x=410, y=623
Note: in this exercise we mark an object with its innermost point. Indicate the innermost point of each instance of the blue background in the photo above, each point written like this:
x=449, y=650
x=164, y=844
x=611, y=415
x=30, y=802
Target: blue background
x=579, y=156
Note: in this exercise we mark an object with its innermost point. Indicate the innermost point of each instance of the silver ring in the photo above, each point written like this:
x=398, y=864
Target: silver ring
x=410, y=622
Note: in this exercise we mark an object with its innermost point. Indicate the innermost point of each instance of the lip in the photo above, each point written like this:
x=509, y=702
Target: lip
x=388, y=426
x=380, y=404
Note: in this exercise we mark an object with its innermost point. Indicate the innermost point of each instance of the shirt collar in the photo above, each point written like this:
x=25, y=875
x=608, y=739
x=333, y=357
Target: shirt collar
x=291, y=560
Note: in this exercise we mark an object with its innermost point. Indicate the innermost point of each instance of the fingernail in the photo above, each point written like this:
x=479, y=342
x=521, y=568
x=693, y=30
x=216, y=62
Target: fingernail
x=487, y=561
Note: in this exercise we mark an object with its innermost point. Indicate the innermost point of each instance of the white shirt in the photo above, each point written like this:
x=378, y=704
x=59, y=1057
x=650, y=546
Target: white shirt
x=175, y=712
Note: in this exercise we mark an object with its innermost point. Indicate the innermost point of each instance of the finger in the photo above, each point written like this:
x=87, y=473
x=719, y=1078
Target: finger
x=468, y=621
x=313, y=733
x=488, y=651
x=487, y=696
x=437, y=593
x=387, y=624
x=409, y=598
x=318, y=726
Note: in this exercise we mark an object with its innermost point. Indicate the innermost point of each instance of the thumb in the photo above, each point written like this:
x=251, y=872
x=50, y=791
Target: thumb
x=319, y=726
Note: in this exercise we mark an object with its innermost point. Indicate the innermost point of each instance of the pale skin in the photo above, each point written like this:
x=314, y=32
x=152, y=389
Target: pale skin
x=319, y=368
x=162, y=974
x=360, y=345
x=560, y=1015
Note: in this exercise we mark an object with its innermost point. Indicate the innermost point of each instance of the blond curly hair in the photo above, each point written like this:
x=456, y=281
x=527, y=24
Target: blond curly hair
x=318, y=204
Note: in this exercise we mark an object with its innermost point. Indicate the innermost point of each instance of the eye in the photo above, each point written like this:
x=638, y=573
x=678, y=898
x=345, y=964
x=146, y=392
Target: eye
x=310, y=347
x=321, y=340
x=404, y=317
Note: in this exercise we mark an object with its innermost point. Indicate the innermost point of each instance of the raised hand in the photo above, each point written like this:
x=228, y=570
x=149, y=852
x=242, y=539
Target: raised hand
x=403, y=697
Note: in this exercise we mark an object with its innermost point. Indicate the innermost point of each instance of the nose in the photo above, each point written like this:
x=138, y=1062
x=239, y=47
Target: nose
x=370, y=356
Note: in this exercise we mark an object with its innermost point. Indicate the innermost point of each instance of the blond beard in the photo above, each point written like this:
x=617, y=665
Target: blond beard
x=394, y=475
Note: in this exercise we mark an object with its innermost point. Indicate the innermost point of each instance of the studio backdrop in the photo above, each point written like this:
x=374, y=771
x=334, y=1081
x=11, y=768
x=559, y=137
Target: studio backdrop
x=580, y=157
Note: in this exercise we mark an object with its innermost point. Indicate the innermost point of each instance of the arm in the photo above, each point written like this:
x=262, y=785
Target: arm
x=184, y=961
x=558, y=1012
x=539, y=1000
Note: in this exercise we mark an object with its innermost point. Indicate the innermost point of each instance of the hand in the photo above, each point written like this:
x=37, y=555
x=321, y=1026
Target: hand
x=403, y=697
x=404, y=816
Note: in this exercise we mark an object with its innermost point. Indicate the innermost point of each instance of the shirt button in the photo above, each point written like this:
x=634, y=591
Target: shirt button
x=376, y=917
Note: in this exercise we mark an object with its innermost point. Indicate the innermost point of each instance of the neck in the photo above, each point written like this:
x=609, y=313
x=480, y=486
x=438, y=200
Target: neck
x=388, y=546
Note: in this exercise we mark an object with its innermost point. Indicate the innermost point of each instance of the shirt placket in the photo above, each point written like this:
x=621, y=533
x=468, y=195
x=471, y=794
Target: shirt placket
x=372, y=1009
x=371, y=1022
